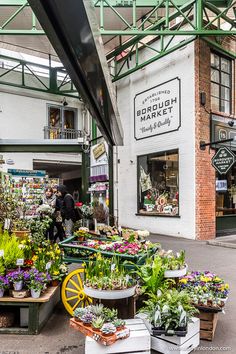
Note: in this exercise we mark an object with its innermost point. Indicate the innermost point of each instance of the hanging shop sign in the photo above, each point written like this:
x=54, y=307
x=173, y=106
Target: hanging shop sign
x=157, y=110
x=27, y=173
x=99, y=150
x=223, y=160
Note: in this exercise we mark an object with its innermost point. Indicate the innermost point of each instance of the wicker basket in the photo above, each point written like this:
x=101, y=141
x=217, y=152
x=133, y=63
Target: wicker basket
x=6, y=319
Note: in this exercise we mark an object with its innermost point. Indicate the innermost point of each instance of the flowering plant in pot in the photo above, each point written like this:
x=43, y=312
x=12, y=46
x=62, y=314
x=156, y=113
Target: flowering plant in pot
x=107, y=274
x=17, y=278
x=4, y=285
x=36, y=282
x=205, y=289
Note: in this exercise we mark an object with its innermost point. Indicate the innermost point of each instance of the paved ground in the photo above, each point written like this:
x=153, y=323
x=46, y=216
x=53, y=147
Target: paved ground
x=57, y=337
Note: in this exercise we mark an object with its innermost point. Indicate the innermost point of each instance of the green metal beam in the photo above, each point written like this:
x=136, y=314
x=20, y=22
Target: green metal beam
x=36, y=77
x=146, y=3
x=141, y=33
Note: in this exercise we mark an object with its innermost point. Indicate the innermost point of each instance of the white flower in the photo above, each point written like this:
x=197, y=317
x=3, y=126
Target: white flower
x=143, y=233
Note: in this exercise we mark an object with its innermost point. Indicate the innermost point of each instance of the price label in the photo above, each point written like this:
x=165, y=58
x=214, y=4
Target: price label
x=20, y=262
x=48, y=265
x=113, y=267
x=1, y=253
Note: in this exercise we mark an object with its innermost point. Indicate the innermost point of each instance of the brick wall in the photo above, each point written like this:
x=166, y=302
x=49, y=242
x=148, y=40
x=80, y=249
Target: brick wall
x=205, y=173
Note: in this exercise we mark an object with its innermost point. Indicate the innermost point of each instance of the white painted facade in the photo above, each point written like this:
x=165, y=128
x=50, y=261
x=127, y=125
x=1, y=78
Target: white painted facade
x=179, y=64
x=23, y=115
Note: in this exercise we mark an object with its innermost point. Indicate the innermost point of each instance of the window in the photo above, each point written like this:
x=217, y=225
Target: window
x=158, y=180
x=62, y=123
x=221, y=79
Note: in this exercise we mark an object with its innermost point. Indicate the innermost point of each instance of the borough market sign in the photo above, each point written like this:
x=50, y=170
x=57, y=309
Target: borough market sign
x=157, y=110
x=223, y=160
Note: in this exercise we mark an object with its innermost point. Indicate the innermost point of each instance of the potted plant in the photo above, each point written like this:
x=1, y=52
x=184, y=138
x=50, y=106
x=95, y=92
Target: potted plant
x=110, y=314
x=97, y=310
x=4, y=285
x=174, y=264
x=97, y=323
x=12, y=251
x=87, y=318
x=108, y=329
x=119, y=324
x=108, y=279
x=36, y=281
x=169, y=312
x=17, y=278
x=21, y=228
x=78, y=313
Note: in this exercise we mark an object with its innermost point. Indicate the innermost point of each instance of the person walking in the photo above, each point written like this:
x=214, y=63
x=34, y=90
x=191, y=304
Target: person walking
x=67, y=209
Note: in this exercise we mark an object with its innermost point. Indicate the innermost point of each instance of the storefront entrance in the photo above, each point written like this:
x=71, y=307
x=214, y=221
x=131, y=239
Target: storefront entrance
x=225, y=183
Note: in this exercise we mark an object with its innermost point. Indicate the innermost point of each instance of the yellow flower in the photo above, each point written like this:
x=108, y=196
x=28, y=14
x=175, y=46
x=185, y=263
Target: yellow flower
x=56, y=272
x=226, y=286
x=217, y=279
x=34, y=258
x=183, y=281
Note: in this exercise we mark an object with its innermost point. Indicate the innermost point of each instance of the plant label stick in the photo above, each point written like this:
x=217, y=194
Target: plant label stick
x=1, y=253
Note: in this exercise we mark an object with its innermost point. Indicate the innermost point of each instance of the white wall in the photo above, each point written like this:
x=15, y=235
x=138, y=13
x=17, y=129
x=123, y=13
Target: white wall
x=178, y=64
x=24, y=116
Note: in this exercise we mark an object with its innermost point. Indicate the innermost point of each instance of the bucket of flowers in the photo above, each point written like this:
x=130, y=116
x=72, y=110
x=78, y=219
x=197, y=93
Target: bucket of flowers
x=4, y=285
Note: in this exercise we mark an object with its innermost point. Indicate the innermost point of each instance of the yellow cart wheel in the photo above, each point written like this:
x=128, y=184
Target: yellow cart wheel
x=72, y=292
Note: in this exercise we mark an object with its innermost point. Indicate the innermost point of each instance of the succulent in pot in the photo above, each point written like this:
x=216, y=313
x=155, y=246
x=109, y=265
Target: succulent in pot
x=78, y=313
x=118, y=323
x=97, y=323
x=110, y=314
x=108, y=329
x=97, y=310
x=87, y=318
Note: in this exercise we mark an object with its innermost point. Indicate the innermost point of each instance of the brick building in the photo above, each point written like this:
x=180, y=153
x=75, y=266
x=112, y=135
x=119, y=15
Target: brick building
x=164, y=181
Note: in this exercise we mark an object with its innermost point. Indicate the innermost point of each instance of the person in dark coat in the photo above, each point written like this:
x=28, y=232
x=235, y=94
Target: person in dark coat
x=58, y=220
x=67, y=209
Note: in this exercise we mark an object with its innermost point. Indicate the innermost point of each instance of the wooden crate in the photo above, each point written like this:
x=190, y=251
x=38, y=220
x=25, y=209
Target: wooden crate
x=208, y=323
x=139, y=341
x=178, y=345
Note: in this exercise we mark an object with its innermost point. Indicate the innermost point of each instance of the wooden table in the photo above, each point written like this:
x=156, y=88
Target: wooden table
x=34, y=313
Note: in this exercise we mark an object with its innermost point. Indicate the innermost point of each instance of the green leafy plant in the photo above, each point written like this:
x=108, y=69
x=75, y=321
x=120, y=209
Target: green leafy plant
x=118, y=323
x=12, y=250
x=170, y=309
x=172, y=261
x=97, y=310
x=110, y=314
x=107, y=274
x=38, y=228
x=97, y=322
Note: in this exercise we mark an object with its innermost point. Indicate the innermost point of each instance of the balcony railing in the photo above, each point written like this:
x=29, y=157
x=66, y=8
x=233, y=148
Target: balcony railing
x=59, y=133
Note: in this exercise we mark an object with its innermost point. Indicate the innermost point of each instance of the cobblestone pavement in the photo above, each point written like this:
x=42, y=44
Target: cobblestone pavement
x=56, y=337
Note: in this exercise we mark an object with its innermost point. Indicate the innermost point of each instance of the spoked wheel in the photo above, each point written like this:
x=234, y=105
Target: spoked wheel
x=72, y=292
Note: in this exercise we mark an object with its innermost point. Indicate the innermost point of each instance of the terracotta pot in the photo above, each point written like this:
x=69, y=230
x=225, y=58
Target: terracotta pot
x=87, y=324
x=55, y=282
x=96, y=329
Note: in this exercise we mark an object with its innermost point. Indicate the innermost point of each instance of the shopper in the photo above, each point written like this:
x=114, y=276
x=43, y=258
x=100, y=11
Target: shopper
x=58, y=219
x=67, y=209
x=50, y=200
